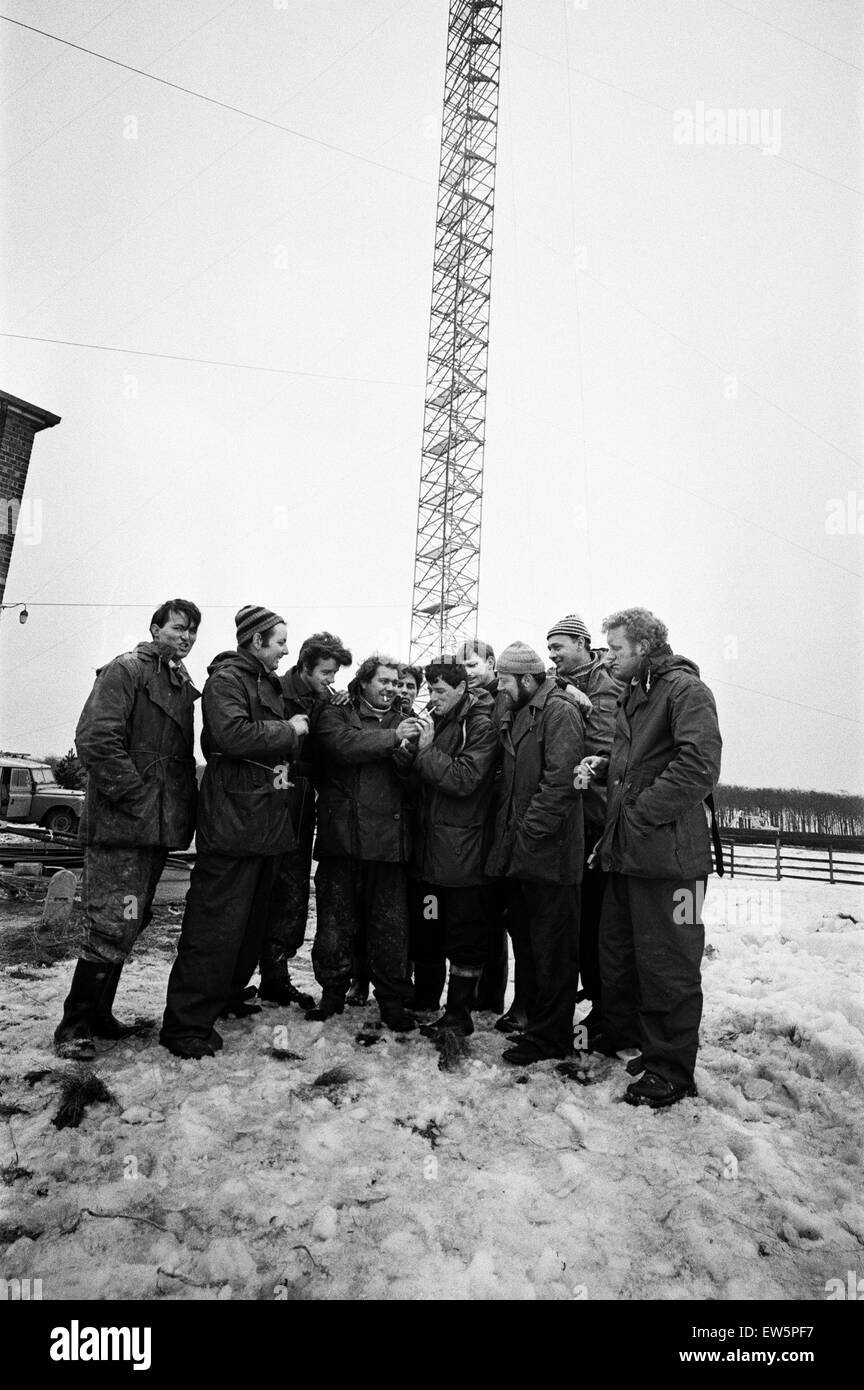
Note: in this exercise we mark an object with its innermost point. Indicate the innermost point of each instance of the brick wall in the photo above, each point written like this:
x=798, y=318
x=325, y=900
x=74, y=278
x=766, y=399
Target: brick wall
x=18, y=425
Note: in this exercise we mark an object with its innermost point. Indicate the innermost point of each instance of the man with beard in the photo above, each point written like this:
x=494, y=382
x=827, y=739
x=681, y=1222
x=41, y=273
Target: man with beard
x=538, y=848
x=244, y=825
x=362, y=846
x=579, y=668
x=656, y=849
x=135, y=739
x=307, y=688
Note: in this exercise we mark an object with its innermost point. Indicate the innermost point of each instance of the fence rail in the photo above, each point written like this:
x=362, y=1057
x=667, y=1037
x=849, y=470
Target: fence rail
x=777, y=859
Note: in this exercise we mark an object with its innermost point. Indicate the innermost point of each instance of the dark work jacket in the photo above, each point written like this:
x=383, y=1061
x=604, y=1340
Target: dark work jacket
x=665, y=761
x=136, y=741
x=538, y=833
x=453, y=786
x=361, y=798
x=300, y=699
x=244, y=807
x=596, y=681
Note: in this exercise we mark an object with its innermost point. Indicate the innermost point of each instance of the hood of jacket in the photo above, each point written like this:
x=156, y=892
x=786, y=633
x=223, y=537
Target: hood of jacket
x=243, y=661
x=661, y=663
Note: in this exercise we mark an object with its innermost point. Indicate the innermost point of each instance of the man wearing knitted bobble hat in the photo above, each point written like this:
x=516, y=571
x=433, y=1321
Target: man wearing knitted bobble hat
x=538, y=848
x=244, y=824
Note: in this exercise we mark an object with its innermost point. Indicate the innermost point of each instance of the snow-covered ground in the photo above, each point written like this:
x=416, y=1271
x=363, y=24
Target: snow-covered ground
x=241, y=1178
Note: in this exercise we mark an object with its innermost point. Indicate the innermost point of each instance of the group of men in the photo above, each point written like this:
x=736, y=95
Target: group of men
x=564, y=806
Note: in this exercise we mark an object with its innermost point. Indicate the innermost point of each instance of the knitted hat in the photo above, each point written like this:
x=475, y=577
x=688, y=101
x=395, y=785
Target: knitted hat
x=252, y=619
x=571, y=626
x=520, y=660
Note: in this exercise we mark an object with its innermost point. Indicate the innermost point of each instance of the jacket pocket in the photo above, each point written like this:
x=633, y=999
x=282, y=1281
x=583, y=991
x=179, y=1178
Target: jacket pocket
x=647, y=851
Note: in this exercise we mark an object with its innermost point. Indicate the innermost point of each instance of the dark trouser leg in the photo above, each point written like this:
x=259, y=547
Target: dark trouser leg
x=493, y=981
x=466, y=929
x=338, y=899
x=222, y=924
x=256, y=925
x=523, y=961
x=385, y=915
x=287, y=914
x=669, y=939
x=621, y=998
x=119, y=892
x=593, y=888
x=553, y=925
x=426, y=943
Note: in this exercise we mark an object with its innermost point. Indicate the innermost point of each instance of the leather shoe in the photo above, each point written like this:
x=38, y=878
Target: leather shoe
x=657, y=1092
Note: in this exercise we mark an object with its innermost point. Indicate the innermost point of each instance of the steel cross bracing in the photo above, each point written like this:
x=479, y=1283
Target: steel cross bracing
x=447, y=559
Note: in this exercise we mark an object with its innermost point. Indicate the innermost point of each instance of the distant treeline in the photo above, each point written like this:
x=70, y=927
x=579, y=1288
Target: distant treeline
x=790, y=809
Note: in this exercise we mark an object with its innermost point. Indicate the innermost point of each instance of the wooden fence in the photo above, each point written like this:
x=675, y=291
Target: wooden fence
x=836, y=862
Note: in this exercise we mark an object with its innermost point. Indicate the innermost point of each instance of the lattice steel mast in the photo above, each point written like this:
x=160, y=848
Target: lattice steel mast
x=447, y=559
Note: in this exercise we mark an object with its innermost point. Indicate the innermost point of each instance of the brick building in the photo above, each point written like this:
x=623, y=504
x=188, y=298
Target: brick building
x=19, y=422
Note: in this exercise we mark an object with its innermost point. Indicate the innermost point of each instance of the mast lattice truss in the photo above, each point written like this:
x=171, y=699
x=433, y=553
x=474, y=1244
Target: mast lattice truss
x=447, y=558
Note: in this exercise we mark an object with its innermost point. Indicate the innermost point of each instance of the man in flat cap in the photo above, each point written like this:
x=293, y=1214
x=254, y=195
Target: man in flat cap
x=244, y=824
x=581, y=668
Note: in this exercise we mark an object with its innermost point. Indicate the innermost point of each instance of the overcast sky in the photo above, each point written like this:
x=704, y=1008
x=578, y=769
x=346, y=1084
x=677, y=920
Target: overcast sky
x=674, y=374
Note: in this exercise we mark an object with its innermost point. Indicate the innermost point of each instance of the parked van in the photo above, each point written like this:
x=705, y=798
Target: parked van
x=29, y=795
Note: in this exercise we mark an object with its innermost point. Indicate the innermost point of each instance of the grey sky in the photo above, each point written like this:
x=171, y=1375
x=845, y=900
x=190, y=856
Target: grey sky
x=675, y=356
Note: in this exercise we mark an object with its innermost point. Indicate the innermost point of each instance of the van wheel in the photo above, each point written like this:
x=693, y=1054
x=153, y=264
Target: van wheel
x=61, y=821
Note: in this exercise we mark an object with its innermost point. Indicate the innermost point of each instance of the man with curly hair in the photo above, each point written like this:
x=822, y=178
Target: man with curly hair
x=662, y=767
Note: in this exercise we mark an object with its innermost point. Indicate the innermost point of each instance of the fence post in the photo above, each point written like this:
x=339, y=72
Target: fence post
x=830, y=864
x=731, y=858
x=779, y=866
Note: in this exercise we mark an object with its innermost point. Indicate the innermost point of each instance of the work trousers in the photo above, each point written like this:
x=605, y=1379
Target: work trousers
x=651, y=944
x=220, y=940
x=593, y=888
x=285, y=929
x=493, y=981
x=451, y=923
x=119, y=887
x=362, y=899
x=543, y=922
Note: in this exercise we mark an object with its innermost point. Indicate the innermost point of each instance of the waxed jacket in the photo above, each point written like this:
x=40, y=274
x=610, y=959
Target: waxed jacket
x=244, y=806
x=300, y=698
x=136, y=740
x=538, y=833
x=362, y=800
x=664, y=762
x=597, y=682
x=453, y=787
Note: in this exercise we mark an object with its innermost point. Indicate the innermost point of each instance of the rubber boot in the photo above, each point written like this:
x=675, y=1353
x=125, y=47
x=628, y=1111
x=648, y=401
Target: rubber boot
x=283, y=991
x=331, y=1003
x=457, y=1013
x=73, y=1038
x=428, y=984
x=103, y=1023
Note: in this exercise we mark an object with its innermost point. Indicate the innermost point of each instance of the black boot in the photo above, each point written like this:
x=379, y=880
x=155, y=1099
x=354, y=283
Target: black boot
x=282, y=990
x=103, y=1023
x=457, y=1012
x=331, y=1003
x=73, y=1038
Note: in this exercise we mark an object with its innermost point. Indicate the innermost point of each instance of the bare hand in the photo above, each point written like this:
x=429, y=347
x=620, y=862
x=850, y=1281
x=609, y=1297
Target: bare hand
x=409, y=728
x=300, y=724
x=583, y=772
x=339, y=697
x=427, y=734
x=579, y=698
